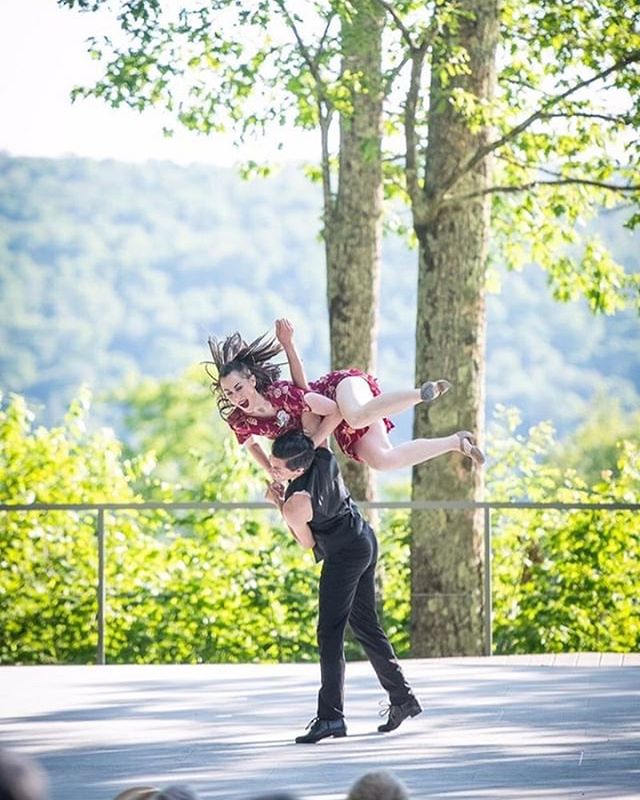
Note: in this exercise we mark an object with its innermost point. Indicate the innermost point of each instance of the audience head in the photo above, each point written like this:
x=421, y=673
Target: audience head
x=380, y=785
x=21, y=778
x=276, y=796
x=138, y=793
x=174, y=792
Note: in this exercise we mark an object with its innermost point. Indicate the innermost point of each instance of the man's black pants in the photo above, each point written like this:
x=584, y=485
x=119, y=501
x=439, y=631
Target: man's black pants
x=347, y=595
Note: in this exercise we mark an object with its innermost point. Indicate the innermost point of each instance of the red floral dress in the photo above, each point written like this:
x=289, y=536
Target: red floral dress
x=346, y=436
x=288, y=400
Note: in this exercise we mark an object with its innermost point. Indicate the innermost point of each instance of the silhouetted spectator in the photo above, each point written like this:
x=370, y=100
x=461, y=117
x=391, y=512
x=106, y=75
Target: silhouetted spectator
x=21, y=778
x=378, y=786
x=173, y=792
x=276, y=796
x=176, y=792
x=138, y=793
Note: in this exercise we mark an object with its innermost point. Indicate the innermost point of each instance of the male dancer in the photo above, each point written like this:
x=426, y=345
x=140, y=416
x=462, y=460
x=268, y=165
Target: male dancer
x=321, y=515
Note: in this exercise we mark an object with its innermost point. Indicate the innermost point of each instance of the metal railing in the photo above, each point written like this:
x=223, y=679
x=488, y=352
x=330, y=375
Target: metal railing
x=412, y=505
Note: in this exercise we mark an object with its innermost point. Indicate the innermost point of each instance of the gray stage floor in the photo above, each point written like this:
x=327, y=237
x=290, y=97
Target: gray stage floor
x=506, y=727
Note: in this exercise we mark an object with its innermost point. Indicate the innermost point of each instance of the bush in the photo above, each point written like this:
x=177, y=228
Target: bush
x=563, y=581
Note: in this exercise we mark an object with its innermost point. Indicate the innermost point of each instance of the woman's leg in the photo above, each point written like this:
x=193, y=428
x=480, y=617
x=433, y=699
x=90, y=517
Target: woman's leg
x=360, y=408
x=376, y=449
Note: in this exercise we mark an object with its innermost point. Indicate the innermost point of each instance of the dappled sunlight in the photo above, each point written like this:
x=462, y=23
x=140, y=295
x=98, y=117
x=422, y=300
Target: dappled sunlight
x=492, y=728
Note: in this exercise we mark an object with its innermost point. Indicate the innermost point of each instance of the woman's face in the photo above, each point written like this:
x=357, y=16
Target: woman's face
x=240, y=390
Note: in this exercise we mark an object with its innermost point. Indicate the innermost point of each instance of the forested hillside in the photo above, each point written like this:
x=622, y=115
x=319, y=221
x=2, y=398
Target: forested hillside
x=108, y=269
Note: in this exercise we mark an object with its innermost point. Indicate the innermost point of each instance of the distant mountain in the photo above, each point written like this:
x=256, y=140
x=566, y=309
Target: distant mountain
x=109, y=268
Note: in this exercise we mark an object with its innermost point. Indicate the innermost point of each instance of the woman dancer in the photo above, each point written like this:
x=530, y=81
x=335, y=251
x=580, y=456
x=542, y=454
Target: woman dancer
x=348, y=403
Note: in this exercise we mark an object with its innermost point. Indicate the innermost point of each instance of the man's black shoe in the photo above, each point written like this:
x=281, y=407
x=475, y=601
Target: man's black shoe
x=321, y=728
x=398, y=714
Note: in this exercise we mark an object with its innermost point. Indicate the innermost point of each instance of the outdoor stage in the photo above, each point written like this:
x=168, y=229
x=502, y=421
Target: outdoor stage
x=514, y=727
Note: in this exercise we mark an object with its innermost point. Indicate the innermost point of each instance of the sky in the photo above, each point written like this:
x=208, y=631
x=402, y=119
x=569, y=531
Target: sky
x=43, y=55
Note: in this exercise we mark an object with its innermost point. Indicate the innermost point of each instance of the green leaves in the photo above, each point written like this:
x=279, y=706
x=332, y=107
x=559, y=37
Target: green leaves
x=563, y=580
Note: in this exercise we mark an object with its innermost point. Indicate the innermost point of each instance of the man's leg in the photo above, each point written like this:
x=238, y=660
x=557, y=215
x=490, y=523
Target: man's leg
x=338, y=582
x=367, y=629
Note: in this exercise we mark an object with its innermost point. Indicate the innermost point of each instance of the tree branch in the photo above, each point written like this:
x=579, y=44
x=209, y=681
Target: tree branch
x=327, y=195
x=411, y=138
x=406, y=33
x=484, y=151
x=518, y=163
x=584, y=115
x=310, y=61
x=533, y=184
x=324, y=106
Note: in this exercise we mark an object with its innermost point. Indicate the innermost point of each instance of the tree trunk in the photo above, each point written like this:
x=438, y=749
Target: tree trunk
x=447, y=553
x=353, y=230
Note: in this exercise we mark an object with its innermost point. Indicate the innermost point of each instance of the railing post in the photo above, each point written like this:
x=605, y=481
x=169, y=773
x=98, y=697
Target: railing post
x=488, y=610
x=101, y=586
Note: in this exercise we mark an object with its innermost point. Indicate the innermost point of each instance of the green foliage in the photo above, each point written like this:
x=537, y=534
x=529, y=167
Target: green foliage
x=181, y=586
x=563, y=114
x=395, y=579
x=563, y=581
x=110, y=272
x=177, y=425
x=231, y=586
x=566, y=106
x=48, y=561
x=189, y=587
x=594, y=447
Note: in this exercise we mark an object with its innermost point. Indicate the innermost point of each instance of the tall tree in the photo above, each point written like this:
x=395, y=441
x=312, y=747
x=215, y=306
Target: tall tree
x=558, y=120
x=563, y=149
x=353, y=220
x=450, y=338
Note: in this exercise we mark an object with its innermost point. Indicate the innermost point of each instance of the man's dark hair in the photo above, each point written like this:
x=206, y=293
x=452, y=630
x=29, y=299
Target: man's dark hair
x=296, y=448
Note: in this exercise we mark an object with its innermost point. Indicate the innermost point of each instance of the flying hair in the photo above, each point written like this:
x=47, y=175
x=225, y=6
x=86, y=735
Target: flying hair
x=234, y=354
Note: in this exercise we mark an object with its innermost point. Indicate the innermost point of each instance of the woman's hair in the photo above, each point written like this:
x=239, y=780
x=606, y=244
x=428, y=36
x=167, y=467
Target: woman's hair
x=234, y=354
x=296, y=448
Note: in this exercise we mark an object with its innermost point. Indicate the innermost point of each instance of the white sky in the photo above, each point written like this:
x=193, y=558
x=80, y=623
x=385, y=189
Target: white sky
x=43, y=55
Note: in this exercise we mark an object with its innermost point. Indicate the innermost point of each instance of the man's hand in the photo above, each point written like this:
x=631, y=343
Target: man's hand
x=284, y=332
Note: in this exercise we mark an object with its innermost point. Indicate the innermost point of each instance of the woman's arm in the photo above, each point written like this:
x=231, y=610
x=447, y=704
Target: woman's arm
x=284, y=334
x=258, y=454
x=326, y=427
x=330, y=416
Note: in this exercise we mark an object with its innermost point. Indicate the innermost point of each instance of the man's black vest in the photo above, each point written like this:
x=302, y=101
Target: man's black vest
x=336, y=521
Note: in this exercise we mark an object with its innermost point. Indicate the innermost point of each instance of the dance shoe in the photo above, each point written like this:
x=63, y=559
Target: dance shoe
x=321, y=728
x=431, y=390
x=469, y=447
x=398, y=713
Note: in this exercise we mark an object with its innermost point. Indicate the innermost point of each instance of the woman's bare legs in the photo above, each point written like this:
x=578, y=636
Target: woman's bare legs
x=360, y=408
x=376, y=450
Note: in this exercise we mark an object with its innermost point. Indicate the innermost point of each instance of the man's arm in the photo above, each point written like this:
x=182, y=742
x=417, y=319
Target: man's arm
x=296, y=511
x=284, y=334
